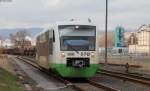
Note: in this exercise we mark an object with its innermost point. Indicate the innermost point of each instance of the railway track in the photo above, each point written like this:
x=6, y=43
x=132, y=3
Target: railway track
x=88, y=85
x=126, y=76
x=123, y=65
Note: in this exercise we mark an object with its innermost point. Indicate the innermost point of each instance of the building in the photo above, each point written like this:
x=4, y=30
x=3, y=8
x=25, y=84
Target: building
x=1, y=42
x=7, y=43
x=119, y=36
x=139, y=41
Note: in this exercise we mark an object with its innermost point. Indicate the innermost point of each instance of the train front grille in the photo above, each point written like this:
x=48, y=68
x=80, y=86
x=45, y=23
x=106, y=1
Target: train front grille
x=78, y=62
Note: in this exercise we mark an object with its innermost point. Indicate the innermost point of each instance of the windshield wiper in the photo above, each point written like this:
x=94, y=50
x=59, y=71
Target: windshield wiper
x=72, y=48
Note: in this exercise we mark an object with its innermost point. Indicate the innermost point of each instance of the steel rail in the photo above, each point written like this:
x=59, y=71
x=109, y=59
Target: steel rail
x=99, y=85
x=66, y=82
x=125, y=76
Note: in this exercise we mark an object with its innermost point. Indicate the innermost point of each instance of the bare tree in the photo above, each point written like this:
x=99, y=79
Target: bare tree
x=110, y=40
x=1, y=43
x=20, y=35
x=133, y=39
x=12, y=38
x=19, y=38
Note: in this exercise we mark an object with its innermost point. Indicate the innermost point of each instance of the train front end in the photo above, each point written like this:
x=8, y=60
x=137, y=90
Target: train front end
x=78, y=51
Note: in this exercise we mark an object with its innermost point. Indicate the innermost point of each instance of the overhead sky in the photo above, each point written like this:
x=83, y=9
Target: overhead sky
x=37, y=13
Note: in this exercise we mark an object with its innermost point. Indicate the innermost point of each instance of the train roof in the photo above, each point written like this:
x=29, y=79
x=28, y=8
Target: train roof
x=44, y=30
x=75, y=23
x=72, y=22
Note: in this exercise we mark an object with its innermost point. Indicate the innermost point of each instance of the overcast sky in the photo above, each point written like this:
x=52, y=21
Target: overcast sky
x=36, y=13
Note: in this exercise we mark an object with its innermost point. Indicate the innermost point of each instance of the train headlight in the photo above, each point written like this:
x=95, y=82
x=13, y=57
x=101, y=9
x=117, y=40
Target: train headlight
x=92, y=54
x=62, y=54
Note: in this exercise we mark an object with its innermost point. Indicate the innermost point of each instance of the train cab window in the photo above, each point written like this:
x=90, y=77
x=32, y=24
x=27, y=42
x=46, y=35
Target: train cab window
x=53, y=36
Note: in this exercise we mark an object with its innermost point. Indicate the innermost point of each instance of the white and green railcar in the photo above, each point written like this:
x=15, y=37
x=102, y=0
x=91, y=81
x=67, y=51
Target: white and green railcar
x=69, y=48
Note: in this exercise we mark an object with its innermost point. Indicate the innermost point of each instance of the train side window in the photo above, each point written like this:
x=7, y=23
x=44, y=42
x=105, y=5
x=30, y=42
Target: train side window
x=53, y=36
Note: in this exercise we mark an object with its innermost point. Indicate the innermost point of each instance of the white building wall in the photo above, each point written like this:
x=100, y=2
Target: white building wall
x=143, y=45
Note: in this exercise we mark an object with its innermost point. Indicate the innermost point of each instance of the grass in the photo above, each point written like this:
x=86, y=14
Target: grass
x=8, y=81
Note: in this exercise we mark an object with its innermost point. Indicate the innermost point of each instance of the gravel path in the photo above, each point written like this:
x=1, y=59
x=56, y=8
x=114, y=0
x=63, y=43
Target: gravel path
x=42, y=80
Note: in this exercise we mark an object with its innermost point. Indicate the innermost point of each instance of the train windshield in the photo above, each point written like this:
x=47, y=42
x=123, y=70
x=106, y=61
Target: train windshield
x=77, y=37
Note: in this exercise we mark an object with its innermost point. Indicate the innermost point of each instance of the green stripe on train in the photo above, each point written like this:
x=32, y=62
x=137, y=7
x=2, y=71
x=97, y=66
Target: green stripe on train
x=65, y=71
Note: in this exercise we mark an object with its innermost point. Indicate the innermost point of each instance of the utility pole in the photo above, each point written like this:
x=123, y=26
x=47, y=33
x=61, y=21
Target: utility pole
x=106, y=23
